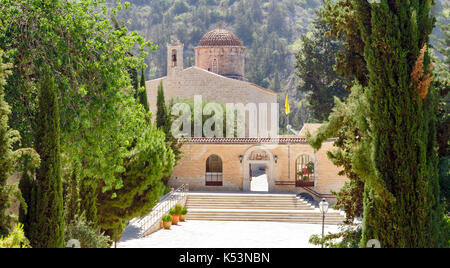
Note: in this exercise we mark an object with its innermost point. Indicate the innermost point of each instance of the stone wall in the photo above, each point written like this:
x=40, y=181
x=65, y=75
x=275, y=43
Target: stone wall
x=192, y=167
x=230, y=60
x=212, y=87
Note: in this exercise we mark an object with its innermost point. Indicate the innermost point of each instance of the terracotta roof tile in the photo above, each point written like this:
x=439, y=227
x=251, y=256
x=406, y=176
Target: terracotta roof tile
x=219, y=37
x=281, y=140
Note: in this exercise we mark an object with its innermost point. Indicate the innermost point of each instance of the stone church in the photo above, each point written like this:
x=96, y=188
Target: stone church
x=277, y=164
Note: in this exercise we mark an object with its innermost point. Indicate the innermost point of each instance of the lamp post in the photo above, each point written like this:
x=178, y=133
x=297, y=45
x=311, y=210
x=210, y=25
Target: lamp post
x=323, y=207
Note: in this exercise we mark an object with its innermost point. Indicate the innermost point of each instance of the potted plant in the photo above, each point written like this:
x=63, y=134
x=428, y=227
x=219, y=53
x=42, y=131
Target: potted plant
x=176, y=212
x=184, y=212
x=167, y=221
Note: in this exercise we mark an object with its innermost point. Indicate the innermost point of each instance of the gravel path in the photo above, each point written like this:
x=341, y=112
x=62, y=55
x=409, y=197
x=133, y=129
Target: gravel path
x=212, y=234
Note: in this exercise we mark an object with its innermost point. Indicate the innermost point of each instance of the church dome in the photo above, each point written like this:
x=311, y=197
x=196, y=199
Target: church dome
x=220, y=37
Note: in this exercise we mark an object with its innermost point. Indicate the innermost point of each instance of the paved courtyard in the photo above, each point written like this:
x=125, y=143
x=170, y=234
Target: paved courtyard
x=214, y=234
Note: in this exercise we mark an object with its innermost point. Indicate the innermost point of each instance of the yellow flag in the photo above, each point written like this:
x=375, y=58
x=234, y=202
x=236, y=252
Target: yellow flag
x=287, y=107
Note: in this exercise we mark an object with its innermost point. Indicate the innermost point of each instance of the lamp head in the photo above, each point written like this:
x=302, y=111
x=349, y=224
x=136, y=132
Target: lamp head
x=323, y=206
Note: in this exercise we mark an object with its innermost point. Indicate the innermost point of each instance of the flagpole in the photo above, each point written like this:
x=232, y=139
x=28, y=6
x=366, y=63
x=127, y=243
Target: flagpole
x=287, y=104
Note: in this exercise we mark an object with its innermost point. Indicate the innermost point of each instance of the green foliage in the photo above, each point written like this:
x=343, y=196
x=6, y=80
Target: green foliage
x=16, y=239
x=88, y=237
x=172, y=211
x=442, y=85
x=164, y=121
x=6, y=160
x=401, y=198
x=47, y=225
x=393, y=152
x=72, y=198
x=142, y=94
x=348, y=237
x=315, y=61
x=88, y=203
x=167, y=218
x=162, y=114
x=90, y=61
x=178, y=209
x=148, y=162
x=348, y=124
x=341, y=18
x=447, y=230
x=184, y=211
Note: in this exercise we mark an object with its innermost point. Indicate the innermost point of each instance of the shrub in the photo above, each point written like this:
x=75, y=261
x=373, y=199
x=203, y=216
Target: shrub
x=82, y=231
x=178, y=209
x=16, y=239
x=167, y=218
x=348, y=237
x=184, y=211
x=447, y=230
x=172, y=211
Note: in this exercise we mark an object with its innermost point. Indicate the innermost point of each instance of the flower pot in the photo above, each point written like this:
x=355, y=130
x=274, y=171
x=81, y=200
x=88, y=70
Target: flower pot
x=167, y=225
x=175, y=219
x=183, y=218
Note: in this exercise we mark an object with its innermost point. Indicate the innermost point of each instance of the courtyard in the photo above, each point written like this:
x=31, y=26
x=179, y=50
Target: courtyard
x=218, y=234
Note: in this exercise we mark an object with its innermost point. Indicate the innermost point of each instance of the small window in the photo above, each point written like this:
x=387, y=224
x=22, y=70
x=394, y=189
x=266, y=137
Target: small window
x=214, y=176
x=174, y=58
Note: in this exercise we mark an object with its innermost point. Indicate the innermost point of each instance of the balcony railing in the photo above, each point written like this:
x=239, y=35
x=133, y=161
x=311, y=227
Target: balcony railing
x=213, y=179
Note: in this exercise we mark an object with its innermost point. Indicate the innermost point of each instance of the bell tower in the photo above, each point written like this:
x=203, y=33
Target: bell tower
x=174, y=57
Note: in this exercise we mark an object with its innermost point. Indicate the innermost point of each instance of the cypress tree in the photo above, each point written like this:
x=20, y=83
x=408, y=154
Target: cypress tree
x=47, y=227
x=27, y=186
x=161, y=113
x=164, y=121
x=88, y=203
x=5, y=153
x=142, y=93
x=401, y=198
x=73, y=198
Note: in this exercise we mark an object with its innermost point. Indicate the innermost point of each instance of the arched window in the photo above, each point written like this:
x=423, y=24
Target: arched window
x=174, y=58
x=305, y=170
x=213, y=175
x=214, y=66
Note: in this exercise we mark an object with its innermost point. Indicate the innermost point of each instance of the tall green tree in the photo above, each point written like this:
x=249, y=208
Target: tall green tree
x=142, y=95
x=442, y=85
x=164, y=121
x=72, y=198
x=401, y=198
x=395, y=156
x=6, y=158
x=162, y=115
x=315, y=67
x=142, y=184
x=47, y=228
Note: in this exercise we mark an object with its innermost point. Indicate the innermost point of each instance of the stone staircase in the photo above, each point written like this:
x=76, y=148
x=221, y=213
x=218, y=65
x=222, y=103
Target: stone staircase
x=256, y=207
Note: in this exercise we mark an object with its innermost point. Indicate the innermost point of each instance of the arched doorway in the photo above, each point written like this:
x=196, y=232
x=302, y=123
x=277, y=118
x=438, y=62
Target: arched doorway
x=258, y=157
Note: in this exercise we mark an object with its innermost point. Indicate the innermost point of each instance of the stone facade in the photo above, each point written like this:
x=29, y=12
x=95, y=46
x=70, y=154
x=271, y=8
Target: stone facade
x=225, y=61
x=281, y=167
x=212, y=87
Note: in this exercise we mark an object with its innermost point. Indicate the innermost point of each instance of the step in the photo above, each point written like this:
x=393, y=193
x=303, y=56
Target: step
x=256, y=207
x=315, y=220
